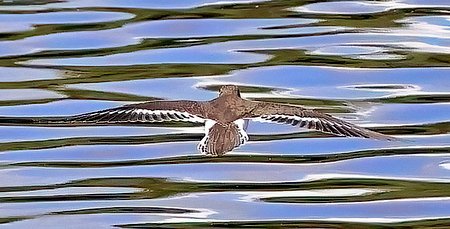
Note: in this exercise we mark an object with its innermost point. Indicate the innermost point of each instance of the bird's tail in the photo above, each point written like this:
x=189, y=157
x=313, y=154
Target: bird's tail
x=222, y=138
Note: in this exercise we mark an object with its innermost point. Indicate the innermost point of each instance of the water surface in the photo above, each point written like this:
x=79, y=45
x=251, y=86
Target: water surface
x=379, y=64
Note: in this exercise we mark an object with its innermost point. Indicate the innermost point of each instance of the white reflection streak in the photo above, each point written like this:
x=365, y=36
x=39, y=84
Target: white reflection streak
x=199, y=215
x=445, y=165
x=252, y=196
x=381, y=7
x=232, y=2
x=420, y=46
x=385, y=87
x=423, y=29
x=378, y=7
x=379, y=220
x=323, y=176
x=71, y=191
x=327, y=176
x=362, y=220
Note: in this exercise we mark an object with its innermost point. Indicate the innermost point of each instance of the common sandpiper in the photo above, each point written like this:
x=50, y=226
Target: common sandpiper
x=225, y=118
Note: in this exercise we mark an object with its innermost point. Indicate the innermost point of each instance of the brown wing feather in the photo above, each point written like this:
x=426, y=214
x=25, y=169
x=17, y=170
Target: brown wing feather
x=311, y=119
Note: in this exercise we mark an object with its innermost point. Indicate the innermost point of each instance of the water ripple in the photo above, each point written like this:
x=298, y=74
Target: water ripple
x=380, y=64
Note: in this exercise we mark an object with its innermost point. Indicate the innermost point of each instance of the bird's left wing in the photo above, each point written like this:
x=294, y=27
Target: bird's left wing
x=311, y=119
x=157, y=111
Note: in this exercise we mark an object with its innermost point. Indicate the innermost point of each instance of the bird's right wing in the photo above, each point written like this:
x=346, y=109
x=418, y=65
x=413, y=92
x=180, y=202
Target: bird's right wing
x=157, y=111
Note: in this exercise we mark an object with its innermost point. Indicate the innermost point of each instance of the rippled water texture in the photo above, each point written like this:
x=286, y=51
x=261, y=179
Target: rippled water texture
x=380, y=64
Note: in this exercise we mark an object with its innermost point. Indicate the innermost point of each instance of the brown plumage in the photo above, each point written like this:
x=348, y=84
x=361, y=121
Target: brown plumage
x=222, y=138
x=224, y=118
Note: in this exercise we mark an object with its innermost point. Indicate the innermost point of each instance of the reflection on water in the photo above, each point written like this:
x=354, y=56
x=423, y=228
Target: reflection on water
x=381, y=64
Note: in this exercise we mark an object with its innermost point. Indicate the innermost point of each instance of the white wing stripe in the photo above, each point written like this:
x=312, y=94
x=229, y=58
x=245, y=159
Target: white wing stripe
x=325, y=124
x=138, y=115
x=185, y=116
x=269, y=118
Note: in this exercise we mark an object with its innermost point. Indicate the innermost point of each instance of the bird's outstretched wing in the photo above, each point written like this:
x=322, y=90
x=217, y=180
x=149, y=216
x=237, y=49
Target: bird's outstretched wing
x=157, y=111
x=311, y=119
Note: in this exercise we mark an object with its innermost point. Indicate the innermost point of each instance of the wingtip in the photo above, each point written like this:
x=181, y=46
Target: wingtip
x=384, y=137
x=397, y=139
x=388, y=138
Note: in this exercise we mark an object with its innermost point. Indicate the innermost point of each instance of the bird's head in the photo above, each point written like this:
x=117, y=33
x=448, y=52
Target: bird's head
x=229, y=90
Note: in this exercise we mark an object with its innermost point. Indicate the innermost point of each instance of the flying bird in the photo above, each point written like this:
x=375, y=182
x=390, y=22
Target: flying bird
x=225, y=118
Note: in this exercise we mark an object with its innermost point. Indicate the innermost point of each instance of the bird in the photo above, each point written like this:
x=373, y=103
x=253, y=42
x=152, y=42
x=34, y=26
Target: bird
x=225, y=118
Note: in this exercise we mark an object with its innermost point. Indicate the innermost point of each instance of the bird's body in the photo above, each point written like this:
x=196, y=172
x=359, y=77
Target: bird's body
x=226, y=118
